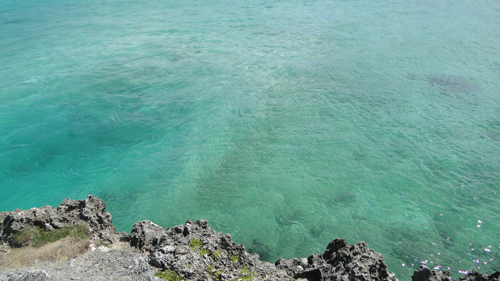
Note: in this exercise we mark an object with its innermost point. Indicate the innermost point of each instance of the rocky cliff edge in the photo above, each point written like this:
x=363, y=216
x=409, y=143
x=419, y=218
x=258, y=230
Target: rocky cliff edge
x=192, y=251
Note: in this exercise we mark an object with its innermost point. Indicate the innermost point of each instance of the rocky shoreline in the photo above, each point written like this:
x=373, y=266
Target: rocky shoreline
x=192, y=251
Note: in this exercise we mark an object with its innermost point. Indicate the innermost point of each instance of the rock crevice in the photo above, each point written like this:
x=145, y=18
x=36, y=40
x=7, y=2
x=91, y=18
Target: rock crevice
x=192, y=251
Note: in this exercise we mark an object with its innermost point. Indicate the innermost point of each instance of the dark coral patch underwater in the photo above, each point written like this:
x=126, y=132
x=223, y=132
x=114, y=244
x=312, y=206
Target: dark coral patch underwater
x=451, y=84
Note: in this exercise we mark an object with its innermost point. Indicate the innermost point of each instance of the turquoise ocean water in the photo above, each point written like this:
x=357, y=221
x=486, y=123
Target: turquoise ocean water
x=284, y=123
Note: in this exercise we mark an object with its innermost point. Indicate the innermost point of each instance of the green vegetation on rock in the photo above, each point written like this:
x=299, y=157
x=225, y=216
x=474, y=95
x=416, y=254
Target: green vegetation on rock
x=245, y=274
x=168, y=275
x=22, y=238
x=195, y=244
x=215, y=275
x=234, y=258
x=38, y=237
x=215, y=255
x=204, y=252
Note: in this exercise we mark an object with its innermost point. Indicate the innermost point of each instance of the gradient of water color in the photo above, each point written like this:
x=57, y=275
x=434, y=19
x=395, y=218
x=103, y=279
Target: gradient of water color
x=284, y=123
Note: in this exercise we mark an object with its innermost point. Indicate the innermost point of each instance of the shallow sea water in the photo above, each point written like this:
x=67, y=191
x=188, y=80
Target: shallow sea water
x=284, y=123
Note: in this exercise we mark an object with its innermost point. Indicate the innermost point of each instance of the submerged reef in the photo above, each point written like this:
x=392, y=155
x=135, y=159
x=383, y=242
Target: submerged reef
x=192, y=251
x=450, y=84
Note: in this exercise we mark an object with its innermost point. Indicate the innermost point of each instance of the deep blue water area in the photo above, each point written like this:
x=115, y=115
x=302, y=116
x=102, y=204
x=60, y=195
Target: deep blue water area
x=284, y=123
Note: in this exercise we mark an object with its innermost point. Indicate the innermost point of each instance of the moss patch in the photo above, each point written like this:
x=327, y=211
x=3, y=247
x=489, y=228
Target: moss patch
x=22, y=238
x=234, y=258
x=38, y=237
x=215, y=275
x=246, y=274
x=215, y=255
x=168, y=275
x=204, y=252
x=195, y=244
x=43, y=236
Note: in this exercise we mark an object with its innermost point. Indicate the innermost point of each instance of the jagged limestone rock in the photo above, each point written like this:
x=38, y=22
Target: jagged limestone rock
x=193, y=251
x=88, y=212
x=425, y=274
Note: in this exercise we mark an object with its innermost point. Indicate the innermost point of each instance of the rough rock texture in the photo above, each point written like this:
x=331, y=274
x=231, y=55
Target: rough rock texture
x=476, y=276
x=425, y=274
x=87, y=212
x=145, y=235
x=192, y=251
x=195, y=252
x=340, y=261
x=100, y=264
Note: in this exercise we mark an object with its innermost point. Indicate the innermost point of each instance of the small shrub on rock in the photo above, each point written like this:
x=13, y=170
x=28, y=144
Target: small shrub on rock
x=22, y=238
x=246, y=274
x=234, y=258
x=38, y=237
x=204, y=252
x=195, y=244
x=215, y=255
x=43, y=236
x=168, y=275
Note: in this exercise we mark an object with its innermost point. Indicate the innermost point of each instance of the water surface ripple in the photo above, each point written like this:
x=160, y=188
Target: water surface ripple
x=284, y=123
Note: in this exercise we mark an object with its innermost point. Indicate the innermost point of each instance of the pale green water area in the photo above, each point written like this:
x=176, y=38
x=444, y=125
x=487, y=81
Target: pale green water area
x=290, y=123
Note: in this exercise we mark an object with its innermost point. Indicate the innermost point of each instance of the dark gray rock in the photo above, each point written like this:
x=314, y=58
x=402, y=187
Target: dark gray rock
x=340, y=261
x=476, y=276
x=100, y=264
x=145, y=235
x=193, y=251
x=87, y=212
x=425, y=274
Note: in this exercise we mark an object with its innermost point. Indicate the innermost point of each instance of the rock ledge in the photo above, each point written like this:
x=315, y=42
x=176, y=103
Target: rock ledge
x=192, y=251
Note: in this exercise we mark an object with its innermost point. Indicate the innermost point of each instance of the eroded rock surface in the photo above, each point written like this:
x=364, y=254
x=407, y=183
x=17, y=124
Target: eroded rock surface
x=192, y=251
x=426, y=274
x=340, y=261
x=101, y=264
x=476, y=276
x=88, y=212
x=195, y=252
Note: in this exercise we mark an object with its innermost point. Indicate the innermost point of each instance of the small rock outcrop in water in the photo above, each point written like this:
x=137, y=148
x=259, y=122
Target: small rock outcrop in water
x=192, y=251
x=340, y=261
x=425, y=274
